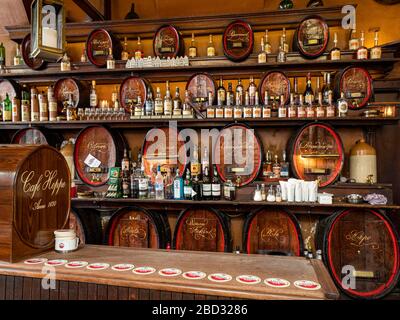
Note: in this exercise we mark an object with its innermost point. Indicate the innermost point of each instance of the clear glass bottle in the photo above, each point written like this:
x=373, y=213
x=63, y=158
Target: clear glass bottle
x=320, y=107
x=268, y=47
x=335, y=53
x=158, y=103
x=167, y=101
x=354, y=43
x=178, y=186
x=159, y=185
x=284, y=166
x=211, y=49
x=239, y=93
x=110, y=60
x=125, y=52
x=292, y=112
x=330, y=108
x=187, y=110
x=376, y=50
x=177, y=111
x=149, y=103
x=284, y=42
x=257, y=110
x=308, y=92
x=193, y=48
x=252, y=91
x=17, y=57
x=65, y=63
x=248, y=108
x=362, y=51
x=281, y=57
x=139, y=54
x=266, y=112
x=271, y=194
x=327, y=87
x=276, y=168
x=221, y=93
x=93, y=95
x=301, y=111
x=262, y=56
x=263, y=192
x=267, y=165
x=342, y=105
x=282, y=110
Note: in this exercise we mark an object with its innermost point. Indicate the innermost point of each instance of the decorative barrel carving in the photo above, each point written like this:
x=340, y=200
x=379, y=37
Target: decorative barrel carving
x=272, y=231
x=139, y=228
x=317, y=153
x=33, y=63
x=97, y=149
x=277, y=84
x=131, y=88
x=98, y=44
x=35, y=199
x=10, y=87
x=167, y=42
x=238, y=41
x=37, y=136
x=202, y=229
x=366, y=242
x=238, y=153
x=63, y=88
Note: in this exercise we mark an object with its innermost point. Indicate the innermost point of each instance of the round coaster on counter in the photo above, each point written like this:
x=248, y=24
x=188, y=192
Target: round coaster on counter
x=144, y=270
x=195, y=275
x=35, y=261
x=248, y=279
x=123, y=267
x=170, y=272
x=219, y=277
x=277, y=282
x=56, y=262
x=76, y=264
x=307, y=285
x=98, y=266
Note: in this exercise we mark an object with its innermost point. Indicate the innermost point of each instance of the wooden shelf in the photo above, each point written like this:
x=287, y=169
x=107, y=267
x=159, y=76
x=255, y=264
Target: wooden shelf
x=200, y=123
x=203, y=25
x=215, y=66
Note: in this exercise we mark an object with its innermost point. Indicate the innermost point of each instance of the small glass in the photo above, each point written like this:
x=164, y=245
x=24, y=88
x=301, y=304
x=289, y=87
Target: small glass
x=122, y=114
x=81, y=114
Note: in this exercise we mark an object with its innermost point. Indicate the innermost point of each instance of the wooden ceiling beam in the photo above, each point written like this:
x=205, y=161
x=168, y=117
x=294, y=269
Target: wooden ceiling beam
x=90, y=10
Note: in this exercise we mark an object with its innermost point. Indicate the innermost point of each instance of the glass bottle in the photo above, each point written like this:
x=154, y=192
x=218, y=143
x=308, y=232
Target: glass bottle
x=281, y=57
x=335, y=51
x=266, y=112
x=110, y=60
x=7, y=109
x=71, y=110
x=125, y=52
x=139, y=52
x=257, y=194
x=194, y=163
x=230, y=96
x=257, y=111
x=16, y=109
x=252, y=91
x=187, y=188
x=267, y=165
x=292, y=112
x=362, y=51
x=308, y=92
x=296, y=92
x=268, y=47
x=83, y=56
x=285, y=45
x=247, y=109
x=193, y=48
x=25, y=104
x=354, y=43
x=215, y=185
x=330, y=108
x=320, y=107
x=159, y=184
x=282, y=110
x=211, y=48
x=327, y=88
x=284, y=166
x=276, y=168
x=187, y=110
x=167, y=101
x=210, y=107
x=34, y=105
x=278, y=194
x=17, y=57
x=65, y=63
x=196, y=187
x=342, y=106
x=177, y=102
x=178, y=187
x=206, y=185
x=149, y=103
x=221, y=93
x=2, y=55
x=262, y=56
x=317, y=90
x=301, y=111
x=138, y=108
x=93, y=95
x=376, y=50
x=43, y=107
x=271, y=194
x=158, y=103
x=263, y=193
x=239, y=93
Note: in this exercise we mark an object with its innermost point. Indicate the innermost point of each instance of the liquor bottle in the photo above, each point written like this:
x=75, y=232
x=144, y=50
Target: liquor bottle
x=310, y=110
x=83, y=56
x=320, y=107
x=221, y=93
x=193, y=48
x=282, y=111
x=262, y=56
x=132, y=14
x=326, y=89
x=275, y=107
x=71, y=110
x=354, y=43
x=376, y=50
x=139, y=52
x=267, y=165
x=93, y=95
x=110, y=59
x=330, y=108
x=167, y=101
x=194, y=163
x=263, y=193
x=158, y=103
x=177, y=102
x=206, y=185
x=284, y=166
x=247, y=109
x=308, y=92
x=296, y=92
x=187, y=110
x=16, y=109
x=159, y=184
x=266, y=112
x=215, y=185
x=7, y=109
x=342, y=105
x=335, y=51
x=17, y=57
x=210, y=99
x=25, y=104
x=53, y=107
x=126, y=191
x=35, y=116
x=2, y=55
x=169, y=185
x=276, y=168
x=196, y=188
x=43, y=108
x=362, y=51
x=135, y=184
x=178, y=187
x=205, y=160
x=281, y=57
x=301, y=111
x=125, y=53
x=187, y=187
x=285, y=45
x=211, y=48
x=230, y=96
x=292, y=112
x=268, y=47
x=239, y=93
x=138, y=108
x=143, y=183
x=257, y=111
x=317, y=91
x=252, y=91
x=125, y=164
x=65, y=63
x=210, y=107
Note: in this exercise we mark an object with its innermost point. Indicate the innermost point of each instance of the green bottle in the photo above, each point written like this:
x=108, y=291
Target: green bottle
x=2, y=55
x=286, y=4
x=7, y=109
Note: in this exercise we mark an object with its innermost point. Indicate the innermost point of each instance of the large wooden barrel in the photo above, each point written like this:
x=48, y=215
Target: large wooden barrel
x=130, y=89
x=37, y=136
x=35, y=199
x=199, y=85
x=238, y=153
x=101, y=149
x=317, y=153
x=277, y=84
x=168, y=42
x=139, y=228
x=63, y=88
x=98, y=44
x=367, y=241
x=272, y=231
x=238, y=40
x=202, y=229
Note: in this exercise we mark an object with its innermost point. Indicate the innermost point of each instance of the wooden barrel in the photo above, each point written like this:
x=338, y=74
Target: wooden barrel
x=238, y=40
x=168, y=42
x=33, y=63
x=238, y=153
x=35, y=199
x=75, y=223
x=202, y=229
x=317, y=153
x=129, y=91
x=277, y=84
x=139, y=228
x=356, y=84
x=311, y=37
x=66, y=86
x=165, y=147
x=366, y=240
x=37, y=136
x=98, y=44
x=10, y=87
x=102, y=149
x=199, y=85
x=272, y=231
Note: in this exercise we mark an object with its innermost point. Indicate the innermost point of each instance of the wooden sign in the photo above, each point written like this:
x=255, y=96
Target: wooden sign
x=238, y=153
x=129, y=91
x=356, y=84
x=35, y=202
x=198, y=86
x=98, y=44
x=167, y=42
x=317, y=153
x=238, y=41
x=33, y=63
x=311, y=37
x=277, y=84
x=202, y=229
x=365, y=240
x=274, y=232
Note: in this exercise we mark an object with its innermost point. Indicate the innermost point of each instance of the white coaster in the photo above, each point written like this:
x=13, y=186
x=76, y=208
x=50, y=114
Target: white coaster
x=56, y=262
x=307, y=285
x=144, y=270
x=76, y=264
x=195, y=275
x=35, y=261
x=248, y=279
x=219, y=277
x=98, y=266
x=277, y=282
x=170, y=272
x=123, y=267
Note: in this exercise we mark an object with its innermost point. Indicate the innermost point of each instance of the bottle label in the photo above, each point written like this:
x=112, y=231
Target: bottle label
x=282, y=112
x=301, y=112
x=138, y=54
x=195, y=169
x=266, y=112
x=354, y=44
x=362, y=54
x=177, y=190
x=167, y=108
x=257, y=112
x=228, y=113
x=219, y=113
x=93, y=100
x=211, y=51
x=330, y=111
x=292, y=112
x=124, y=55
x=248, y=112
x=7, y=115
x=262, y=58
x=158, y=107
x=310, y=113
x=187, y=190
x=237, y=113
x=143, y=184
x=335, y=55
x=216, y=189
x=376, y=53
x=320, y=112
x=192, y=52
x=221, y=97
x=210, y=112
x=35, y=116
x=206, y=189
x=110, y=64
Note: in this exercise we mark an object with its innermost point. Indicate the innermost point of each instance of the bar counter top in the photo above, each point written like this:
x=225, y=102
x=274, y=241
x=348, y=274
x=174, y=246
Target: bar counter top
x=289, y=268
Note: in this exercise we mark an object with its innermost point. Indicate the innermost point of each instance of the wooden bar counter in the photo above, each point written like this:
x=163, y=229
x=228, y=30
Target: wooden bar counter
x=23, y=281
